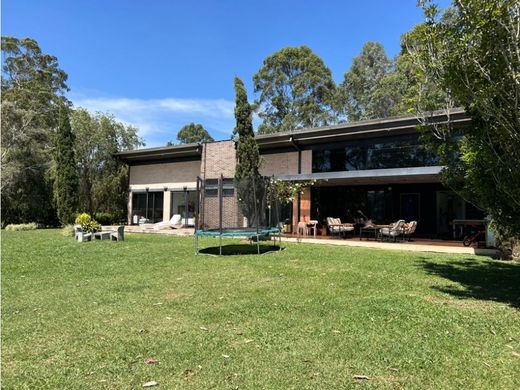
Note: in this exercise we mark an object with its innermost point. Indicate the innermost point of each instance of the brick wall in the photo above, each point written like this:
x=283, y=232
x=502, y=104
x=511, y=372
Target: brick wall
x=219, y=158
x=286, y=163
x=231, y=216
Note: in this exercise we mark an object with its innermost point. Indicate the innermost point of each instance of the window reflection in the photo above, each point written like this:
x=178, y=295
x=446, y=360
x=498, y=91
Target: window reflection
x=391, y=152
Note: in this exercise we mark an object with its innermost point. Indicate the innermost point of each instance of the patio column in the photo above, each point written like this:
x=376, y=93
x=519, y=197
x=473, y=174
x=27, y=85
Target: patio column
x=166, y=204
x=129, y=207
x=302, y=208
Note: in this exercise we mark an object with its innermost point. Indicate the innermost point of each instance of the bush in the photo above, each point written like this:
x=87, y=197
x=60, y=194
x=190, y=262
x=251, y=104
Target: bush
x=67, y=231
x=88, y=225
x=22, y=227
x=105, y=218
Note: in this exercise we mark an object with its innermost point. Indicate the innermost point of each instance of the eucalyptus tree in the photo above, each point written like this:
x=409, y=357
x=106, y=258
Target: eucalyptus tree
x=192, y=133
x=361, y=94
x=33, y=87
x=296, y=90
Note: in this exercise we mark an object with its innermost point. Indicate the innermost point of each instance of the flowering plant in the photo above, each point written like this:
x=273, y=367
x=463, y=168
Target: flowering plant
x=286, y=191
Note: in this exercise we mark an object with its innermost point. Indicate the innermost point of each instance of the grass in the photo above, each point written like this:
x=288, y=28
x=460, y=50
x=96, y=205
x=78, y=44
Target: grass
x=87, y=315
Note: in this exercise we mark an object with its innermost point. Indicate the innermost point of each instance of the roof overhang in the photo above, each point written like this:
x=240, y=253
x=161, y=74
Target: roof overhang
x=371, y=176
x=161, y=155
x=304, y=138
x=358, y=130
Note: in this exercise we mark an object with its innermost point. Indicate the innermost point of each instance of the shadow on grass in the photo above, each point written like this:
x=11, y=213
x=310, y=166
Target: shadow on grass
x=240, y=249
x=485, y=280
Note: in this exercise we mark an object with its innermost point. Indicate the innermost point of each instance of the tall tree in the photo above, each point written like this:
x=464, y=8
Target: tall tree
x=65, y=177
x=248, y=182
x=192, y=133
x=474, y=55
x=296, y=91
x=103, y=179
x=32, y=90
x=362, y=82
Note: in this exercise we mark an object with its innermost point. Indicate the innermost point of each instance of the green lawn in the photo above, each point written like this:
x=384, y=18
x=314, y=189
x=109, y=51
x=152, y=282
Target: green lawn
x=87, y=315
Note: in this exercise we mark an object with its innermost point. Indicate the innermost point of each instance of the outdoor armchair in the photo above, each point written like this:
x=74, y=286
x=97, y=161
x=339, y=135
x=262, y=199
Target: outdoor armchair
x=409, y=229
x=80, y=235
x=394, y=231
x=119, y=234
x=337, y=227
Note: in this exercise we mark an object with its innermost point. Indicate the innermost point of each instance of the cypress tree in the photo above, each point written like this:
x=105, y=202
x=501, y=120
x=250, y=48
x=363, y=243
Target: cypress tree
x=66, y=180
x=248, y=182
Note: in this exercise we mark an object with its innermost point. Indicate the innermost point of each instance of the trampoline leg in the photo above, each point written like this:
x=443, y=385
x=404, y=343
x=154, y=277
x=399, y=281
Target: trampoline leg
x=220, y=245
x=258, y=244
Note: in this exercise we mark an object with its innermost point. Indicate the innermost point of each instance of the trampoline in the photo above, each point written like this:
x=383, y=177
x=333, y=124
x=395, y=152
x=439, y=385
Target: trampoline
x=251, y=234
x=219, y=213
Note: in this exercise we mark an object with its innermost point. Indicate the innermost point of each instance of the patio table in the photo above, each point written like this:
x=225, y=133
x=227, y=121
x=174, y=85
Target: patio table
x=369, y=231
x=103, y=235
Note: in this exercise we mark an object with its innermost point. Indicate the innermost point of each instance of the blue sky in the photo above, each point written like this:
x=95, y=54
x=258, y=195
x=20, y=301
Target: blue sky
x=161, y=64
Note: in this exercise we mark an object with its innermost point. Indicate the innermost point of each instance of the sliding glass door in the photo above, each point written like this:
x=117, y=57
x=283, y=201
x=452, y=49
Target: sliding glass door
x=183, y=203
x=148, y=206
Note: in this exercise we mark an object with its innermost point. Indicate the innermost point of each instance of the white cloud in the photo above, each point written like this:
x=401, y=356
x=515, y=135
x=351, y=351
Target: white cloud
x=159, y=120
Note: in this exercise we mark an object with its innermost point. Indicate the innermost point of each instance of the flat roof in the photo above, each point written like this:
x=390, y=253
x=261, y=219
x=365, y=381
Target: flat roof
x=163, y=154
x=304, y=138
x=404, y=124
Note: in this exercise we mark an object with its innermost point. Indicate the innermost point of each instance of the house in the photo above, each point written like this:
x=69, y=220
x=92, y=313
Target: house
x=376, y=168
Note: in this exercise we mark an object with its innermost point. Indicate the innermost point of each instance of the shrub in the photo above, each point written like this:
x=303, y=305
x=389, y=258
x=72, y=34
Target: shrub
x=22, y=227
x=67, y=231
x=88, y=224
x=105, y=218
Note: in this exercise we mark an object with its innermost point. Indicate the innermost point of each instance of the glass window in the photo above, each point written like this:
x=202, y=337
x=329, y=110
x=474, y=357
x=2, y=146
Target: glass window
x=379, y=153
x=148, y=205
x=228, y=187
x=212, y=186
x=180, y=200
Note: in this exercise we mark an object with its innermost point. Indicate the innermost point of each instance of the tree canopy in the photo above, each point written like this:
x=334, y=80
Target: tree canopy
x=363, y=83
x=33, y=85
x=103, y=180
x=296, y=91
x=192, y=133
x=47, y=147
x=473, y=55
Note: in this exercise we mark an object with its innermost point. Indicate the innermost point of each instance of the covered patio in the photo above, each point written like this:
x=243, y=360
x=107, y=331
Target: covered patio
x=384, y=196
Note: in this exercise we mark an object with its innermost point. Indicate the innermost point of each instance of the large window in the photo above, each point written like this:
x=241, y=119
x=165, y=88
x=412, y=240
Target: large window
x=379, y=153
x=148, y=205
x=183, y=203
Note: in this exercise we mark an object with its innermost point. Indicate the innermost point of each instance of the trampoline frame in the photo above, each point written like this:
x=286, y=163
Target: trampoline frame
x=249, y=233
